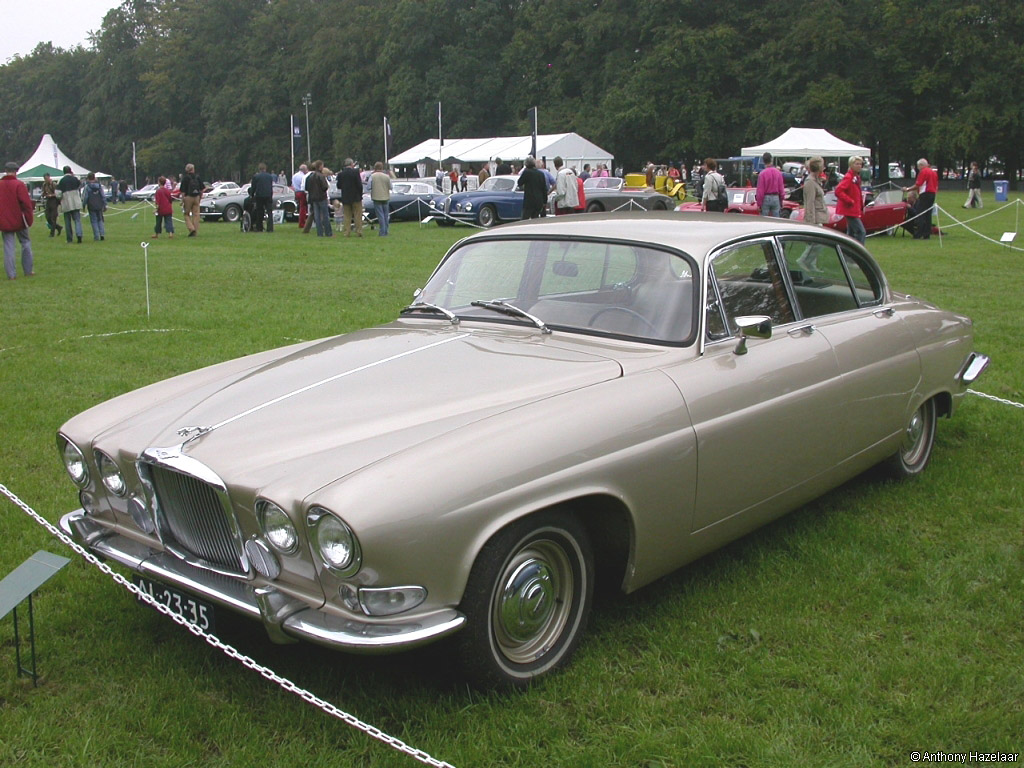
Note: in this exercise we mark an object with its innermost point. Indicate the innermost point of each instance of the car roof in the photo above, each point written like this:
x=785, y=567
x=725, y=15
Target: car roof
x=694, y=233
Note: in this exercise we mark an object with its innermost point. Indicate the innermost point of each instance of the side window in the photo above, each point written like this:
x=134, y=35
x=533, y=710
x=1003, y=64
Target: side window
x=819, y=278
x=866, y=283
x=749, y=283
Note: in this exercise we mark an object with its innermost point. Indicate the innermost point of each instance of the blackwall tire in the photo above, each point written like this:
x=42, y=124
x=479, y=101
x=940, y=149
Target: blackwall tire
x=527, y=601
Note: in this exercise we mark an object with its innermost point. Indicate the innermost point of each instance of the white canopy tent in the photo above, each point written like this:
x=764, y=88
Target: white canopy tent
x=49, y=158
x=807, y=142
x=573, y=148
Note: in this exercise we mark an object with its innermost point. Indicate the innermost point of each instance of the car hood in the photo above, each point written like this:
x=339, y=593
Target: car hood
x=316, y=412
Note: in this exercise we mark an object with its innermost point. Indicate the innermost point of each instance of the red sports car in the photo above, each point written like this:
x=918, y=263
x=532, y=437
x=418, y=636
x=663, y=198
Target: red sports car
x=743, y=200
x=887, y=210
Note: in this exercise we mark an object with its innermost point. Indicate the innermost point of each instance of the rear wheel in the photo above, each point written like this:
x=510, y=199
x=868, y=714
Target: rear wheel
x=916, y=448
x=488, y=216
x=594, y=207
x=527, y=600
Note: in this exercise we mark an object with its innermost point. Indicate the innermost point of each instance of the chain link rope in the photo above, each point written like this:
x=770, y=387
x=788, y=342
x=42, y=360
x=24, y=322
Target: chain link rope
x=995, y=399
x=230, y=651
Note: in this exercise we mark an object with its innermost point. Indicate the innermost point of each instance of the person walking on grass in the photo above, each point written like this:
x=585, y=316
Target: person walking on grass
x=52, y=204
x=316, y=195
x=16, y=210
x=95, y=204
x=164, y=209
x=192, y=188
x=974, y=188
x=850, y=200
x=380, y=193
x=69, y=190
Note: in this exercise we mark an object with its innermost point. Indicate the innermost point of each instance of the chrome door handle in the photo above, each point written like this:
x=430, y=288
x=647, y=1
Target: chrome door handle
x=884, y=312
x=804, y=329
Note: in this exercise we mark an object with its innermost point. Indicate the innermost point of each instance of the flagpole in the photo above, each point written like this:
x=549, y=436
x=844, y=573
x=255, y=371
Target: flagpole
x=291, y=141
x=387, y=165
x=440, y=137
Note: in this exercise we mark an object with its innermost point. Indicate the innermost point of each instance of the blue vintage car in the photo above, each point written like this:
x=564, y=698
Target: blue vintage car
x=496, y=200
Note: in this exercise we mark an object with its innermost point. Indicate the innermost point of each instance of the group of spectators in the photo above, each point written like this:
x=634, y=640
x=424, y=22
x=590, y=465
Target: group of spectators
x=537, y=183
x=849, y=194
x=312, y=185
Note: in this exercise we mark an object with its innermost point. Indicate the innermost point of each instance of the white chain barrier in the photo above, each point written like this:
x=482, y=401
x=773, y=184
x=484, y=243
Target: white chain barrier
x=995, y=399
x=230, y=651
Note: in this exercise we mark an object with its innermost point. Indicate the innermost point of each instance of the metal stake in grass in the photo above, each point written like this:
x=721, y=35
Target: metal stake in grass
x=145, y=259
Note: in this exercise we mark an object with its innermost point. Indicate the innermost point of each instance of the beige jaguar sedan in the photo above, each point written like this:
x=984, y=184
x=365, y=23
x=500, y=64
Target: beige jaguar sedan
x=595, y=395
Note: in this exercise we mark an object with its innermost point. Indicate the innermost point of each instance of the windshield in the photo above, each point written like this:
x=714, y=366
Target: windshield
x=602, y=182
x=588, y=286
x=499, y=184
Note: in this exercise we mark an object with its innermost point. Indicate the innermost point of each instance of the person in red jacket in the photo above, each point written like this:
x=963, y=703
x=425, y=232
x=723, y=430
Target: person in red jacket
x=15, y=219
x=164, y=209
x=850, y=200
x=926, y=185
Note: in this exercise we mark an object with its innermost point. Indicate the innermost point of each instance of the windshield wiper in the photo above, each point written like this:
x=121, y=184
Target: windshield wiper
x=505, y=308
x=432, y=308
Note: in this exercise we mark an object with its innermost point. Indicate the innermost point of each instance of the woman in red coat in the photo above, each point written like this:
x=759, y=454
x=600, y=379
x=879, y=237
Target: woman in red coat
x=850, y=201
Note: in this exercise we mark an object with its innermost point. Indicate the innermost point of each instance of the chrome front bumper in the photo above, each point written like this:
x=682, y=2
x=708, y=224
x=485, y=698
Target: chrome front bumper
x=285, y=618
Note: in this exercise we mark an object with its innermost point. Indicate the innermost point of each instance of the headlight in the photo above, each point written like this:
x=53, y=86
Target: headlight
x=467, y=206
x=110, y=474
x=277, y=527
x=74, y=461
x=335, y=542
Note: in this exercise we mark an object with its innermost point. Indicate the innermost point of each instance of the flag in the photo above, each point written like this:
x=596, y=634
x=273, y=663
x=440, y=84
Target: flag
x=440, y=137
x=532, y=113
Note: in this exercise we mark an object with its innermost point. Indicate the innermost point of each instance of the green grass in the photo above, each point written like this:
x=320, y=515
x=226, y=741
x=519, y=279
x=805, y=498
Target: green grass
x=881, y=619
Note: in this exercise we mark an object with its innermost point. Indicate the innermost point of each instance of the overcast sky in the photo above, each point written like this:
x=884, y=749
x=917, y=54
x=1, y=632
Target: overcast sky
x=65, y=23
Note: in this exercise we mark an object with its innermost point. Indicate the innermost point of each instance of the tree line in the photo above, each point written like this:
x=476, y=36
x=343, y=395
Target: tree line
x=662, y=80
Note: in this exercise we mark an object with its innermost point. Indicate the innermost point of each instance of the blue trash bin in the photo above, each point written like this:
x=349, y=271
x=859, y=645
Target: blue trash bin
x=1002, y=188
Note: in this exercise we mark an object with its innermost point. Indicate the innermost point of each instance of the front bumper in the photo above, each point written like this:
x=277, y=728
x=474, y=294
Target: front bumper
x=285, y=618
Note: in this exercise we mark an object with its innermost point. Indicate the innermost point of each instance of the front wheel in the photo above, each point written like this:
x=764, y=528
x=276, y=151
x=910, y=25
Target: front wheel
x=527, y=599
x=916, y=447
x=233, y=213
x=594, y=208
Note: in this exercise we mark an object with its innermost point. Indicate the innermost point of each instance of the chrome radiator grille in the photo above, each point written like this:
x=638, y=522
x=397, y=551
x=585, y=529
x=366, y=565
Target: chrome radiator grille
x=195, y=516
x=447, y=205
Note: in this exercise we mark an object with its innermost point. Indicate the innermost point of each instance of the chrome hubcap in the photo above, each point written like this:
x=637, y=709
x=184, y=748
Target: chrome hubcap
x=914, y=439
x=533, y=600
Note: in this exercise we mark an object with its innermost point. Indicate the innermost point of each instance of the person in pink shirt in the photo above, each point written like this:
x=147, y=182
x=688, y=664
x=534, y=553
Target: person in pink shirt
x=926, y=185
x=770, y=188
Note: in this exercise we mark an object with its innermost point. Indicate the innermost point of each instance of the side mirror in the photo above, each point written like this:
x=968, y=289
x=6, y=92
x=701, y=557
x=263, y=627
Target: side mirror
x=752, y=327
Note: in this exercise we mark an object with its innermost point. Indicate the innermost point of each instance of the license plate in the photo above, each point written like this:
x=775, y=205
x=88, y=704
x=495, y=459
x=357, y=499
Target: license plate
x=182, y=603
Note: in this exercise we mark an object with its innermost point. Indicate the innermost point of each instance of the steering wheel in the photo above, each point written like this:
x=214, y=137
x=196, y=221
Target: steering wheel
x=629, y=312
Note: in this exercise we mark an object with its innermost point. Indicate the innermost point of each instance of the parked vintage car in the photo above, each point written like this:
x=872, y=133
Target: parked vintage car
x=610, y=193
x=497, y=200
x=220, y=189
x=147, y=192
x=886, y=211
x=230, y=206
x=410, y=201
x=741, y=200
x=570, y=398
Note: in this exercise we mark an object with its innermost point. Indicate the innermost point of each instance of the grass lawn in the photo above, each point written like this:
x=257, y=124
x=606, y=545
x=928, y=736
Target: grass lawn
x=882, y=619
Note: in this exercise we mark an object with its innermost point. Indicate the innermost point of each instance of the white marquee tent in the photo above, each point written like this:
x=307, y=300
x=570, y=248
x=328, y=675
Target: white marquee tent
x=571, y=146
x=48, y=158
x=807, y=142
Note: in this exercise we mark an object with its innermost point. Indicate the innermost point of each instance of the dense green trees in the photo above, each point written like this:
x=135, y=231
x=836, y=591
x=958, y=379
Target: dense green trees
x=215, y=83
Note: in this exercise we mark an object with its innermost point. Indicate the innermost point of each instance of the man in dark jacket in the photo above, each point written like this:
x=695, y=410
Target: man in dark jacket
x=351, y=187
x=15, y=219
x=262, y=184
x=192, y=188
x=534, y=184
x=316, y=193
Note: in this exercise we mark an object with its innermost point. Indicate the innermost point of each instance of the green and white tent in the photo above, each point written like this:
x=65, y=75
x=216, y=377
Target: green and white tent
x=48, y=158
